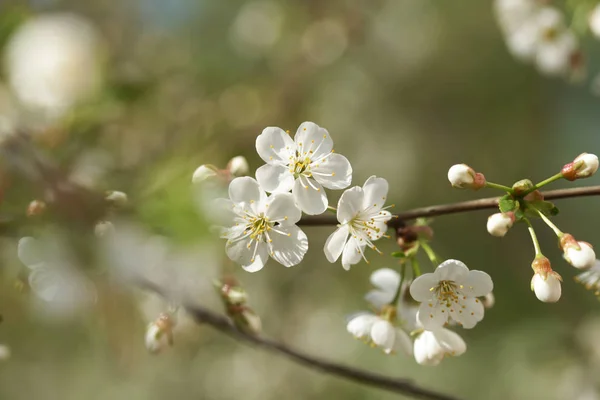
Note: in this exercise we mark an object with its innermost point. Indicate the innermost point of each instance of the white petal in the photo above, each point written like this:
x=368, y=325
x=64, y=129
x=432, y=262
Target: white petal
x=352, y=253
x=333, y=172
x=249, y=254
x=386, y=279
x=45, y=283
x=350, y=204
x=379, y=299
x=309, y=196
x=275, y=178
x=246, y=190
x=432, y=318
x=223, y=212
x=547, y=290
x=451, y=270
x=380, y=225
x=450, y=341
x=426, y=349
x=383, y=335
x=282, y=209
x=335, y=243
x=290, y=247
x=403, y=342
x=30, y=252
x=275, y=146
x=477, y=284
x=468, y=312
x=420, y=289
x=360, y=326
x=311, y=137
x=375, y=193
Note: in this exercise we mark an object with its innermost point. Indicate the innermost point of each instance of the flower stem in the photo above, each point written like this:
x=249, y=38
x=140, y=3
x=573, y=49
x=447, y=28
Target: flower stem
x=493, y=185
x=332, y=209
x=430, y=253
x=534, y=239
x=546, y=181
x=399, y=290
x=557, y=231
x=415, y=267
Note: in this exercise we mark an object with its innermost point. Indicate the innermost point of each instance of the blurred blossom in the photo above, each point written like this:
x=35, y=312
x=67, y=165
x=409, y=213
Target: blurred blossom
x=324, y=42
x=241, y=106
x=53, y=62
x=4, y=352
x=90, y=167
x=54, y=277
x=8, y=112
x=257, y=27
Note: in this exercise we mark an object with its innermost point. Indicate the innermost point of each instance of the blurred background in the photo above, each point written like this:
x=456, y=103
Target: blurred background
x=148, y=90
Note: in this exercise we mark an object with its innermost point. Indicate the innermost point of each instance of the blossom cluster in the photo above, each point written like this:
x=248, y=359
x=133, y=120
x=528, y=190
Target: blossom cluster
x=259, y=218
x=537, y=33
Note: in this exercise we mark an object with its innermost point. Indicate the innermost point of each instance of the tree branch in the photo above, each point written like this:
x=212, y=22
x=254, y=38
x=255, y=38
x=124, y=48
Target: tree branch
x=223, y=324
x=444, y=209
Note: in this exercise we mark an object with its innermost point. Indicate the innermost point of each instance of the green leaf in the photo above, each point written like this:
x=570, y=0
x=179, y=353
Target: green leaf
x=547, y=208
x=507, y=203
x=398, y=254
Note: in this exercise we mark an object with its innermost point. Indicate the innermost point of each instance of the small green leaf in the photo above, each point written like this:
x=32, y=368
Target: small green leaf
x=547, y=208
x=398, y=254
x=507, y=203
x=519, y=214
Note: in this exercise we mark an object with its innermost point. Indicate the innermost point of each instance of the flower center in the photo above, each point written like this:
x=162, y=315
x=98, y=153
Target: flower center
x=300, y=166
x=446, y=292
x=258, y=225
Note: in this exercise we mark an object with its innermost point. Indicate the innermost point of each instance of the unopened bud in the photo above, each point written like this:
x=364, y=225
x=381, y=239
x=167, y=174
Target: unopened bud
x=498, y=224
x=488, y=300
x=246, y=320
x=583, y=166
x=4, y=352
x=35, y=208
x=536, y=195
x=522, y=186
x=116, y=198
x=464, y=177
x=547, y=287
x=203, y=173
x=541, y=265
x=159, y=334
x=238, y=166
x=579, y=254
x=234, y=294
x=103, y=229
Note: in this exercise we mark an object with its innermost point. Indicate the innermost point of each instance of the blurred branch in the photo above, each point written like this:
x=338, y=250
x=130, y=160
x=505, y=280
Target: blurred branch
x=223, y=324
x=464, y=206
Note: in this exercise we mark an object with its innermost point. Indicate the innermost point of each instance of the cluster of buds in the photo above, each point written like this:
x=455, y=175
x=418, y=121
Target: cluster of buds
x=235, y=299
x=462, y=176
x=159, y=333
x=237, y=166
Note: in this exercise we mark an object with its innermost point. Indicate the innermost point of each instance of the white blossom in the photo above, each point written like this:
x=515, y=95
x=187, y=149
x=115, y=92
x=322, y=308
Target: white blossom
x=580, y=256
x=380, y=332
x=546, y=286
x=53, y=277
x=259, y=226
x=450, y=293
x=303, y=165
x=4, y=352
x=594, y=21
x=118, y=199
x=386, y=282
x=202, y=173
x=431, y=347
x=103, y=228
x=591, y=278
x=498, y=224
x=157, y=337
x=362, y=220
x=53, y=62
x=589, y=165
x=238, y=166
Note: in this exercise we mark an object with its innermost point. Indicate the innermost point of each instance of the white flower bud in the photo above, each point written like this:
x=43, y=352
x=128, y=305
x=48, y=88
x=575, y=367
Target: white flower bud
x=203, y=173
x=589, y=165
x=594, y=21
x=581, y=258
x=431, y=347
x=103, y=229
x=4, y=352
x=498, y=224
x=462, y=176
x=156, y=338
x=119, y=199
x=238, y=166
x=488, y=300
x=547, y=289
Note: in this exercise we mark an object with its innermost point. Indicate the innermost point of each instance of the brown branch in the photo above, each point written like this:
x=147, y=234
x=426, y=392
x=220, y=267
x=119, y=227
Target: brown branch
x=224, y=325
x=464, y=206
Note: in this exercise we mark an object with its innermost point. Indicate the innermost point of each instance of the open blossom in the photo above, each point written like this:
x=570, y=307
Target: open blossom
x=259, y=226
x=579, y=254
x=591, y=278
x=53, y=278
x=450, y=293
x=303, y=165
x=362, y=219
x=498, y=224
x=380, y=332
x=431, y=347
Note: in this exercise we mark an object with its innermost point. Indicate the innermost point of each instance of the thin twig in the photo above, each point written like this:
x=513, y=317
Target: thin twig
x=224, y=325
x=444, y=209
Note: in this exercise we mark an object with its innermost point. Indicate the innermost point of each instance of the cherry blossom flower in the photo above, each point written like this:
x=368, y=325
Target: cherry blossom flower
x=450, y=293
x=303, y=165
x=591, y=278
x=594, y=21
x=53, y=278
x=362, y=220
x=261, y=226
x=386, y=282
x=380, y=332
x=431, y=347
x=498, y=224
